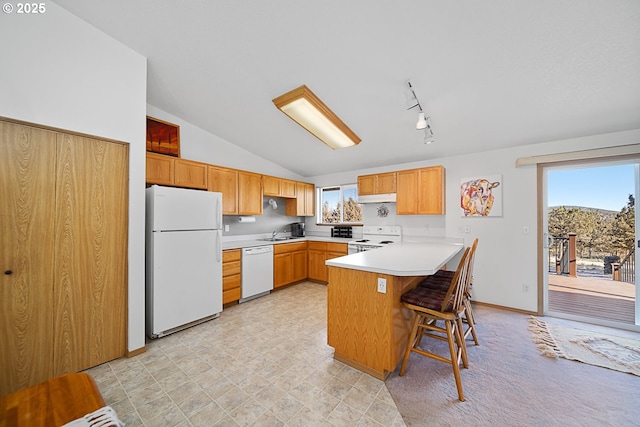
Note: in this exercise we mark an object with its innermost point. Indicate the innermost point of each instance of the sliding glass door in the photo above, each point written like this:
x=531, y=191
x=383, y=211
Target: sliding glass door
x=590, y=241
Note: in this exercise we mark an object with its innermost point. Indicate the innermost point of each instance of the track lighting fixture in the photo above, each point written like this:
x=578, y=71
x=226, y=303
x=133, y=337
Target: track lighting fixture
x=424, y=122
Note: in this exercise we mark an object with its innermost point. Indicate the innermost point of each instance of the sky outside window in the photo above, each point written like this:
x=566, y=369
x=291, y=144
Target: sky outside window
x=606, y=187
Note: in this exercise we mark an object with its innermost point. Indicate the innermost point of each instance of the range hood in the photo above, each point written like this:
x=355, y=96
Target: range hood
x=378, y=198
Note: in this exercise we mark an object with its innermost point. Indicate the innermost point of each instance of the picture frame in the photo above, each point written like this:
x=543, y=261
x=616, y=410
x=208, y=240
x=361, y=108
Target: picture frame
x=481, y=196
x=163, y=137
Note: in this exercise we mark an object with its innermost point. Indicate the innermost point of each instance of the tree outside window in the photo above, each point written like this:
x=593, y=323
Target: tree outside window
x=339, y=205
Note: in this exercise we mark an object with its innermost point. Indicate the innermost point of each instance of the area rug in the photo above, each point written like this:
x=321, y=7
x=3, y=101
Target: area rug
x=594, y=348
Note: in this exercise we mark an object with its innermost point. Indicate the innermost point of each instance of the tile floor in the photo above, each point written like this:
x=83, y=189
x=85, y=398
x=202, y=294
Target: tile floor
x=262, y=363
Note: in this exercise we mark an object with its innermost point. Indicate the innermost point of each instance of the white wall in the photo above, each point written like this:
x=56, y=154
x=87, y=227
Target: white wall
x=59, y=71
x=506, y=258
x=197, y=144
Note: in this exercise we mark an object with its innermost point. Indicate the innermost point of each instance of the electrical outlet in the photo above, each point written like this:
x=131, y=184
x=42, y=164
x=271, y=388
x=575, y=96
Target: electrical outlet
x=467, y=229
x=226, y=227
x=525, y=230
x=525, y=288
x=382, y=285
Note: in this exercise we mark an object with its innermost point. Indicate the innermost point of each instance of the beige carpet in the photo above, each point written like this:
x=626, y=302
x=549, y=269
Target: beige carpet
x=594, y=348
x=509, y=383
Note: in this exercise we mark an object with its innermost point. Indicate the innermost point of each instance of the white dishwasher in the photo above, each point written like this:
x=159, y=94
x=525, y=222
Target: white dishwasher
x=257, y=272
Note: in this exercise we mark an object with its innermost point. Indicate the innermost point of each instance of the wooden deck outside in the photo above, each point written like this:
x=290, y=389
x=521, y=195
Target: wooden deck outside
x=600, y=298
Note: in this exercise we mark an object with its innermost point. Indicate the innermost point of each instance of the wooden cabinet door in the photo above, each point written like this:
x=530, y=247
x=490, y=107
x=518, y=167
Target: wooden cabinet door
x=431, y=191
x=278, y=187
x=385, y=183
x=304, y=202
x=225, y=181
x=160, y=169
x=317, y=268
x=190, y=174
x=366, y=184
x=249, y=193
x=287, y=188
x=309, y=200
x=90, y=275
x=282, y=269
x=27, y=185
x=271, y=186
x=299, y=265
x=407, y=195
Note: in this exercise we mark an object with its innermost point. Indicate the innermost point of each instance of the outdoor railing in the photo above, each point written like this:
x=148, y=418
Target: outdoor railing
x=559, y=256
x=562, y=260
x=625, y=270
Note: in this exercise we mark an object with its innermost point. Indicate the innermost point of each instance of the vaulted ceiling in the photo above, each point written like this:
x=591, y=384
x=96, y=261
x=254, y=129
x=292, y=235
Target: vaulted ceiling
x=490, y=74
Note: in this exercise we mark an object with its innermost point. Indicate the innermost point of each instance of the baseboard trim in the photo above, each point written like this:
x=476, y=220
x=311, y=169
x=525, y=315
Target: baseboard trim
x=361, y=367
x=502, y=307
x=136, y=352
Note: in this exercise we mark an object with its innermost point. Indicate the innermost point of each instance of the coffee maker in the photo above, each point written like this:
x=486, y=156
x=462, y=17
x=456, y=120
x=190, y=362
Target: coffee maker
x=297, y=229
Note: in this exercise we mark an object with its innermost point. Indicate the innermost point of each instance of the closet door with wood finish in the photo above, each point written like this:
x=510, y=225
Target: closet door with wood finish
x=27, y=201
x=90, y=253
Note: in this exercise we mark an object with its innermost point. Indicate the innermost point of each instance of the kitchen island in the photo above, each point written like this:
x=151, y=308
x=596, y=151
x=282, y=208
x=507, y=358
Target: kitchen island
x=367, y=324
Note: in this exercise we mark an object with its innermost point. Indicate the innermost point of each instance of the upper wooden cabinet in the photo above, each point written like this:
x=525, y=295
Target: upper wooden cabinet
x=160, y=169
x=225, y=181
x=249, y=193
x=190, y=174
x=421, y=191
x=241, y=191
x=380, y=183
x=168, y=170
x=278, y=187
x=304, y=203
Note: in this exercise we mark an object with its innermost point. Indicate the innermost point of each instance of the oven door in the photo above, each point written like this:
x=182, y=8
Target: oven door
x=357, y=247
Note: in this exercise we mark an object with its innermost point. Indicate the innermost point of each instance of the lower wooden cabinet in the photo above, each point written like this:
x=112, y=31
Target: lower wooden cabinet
x=231, y=275
x=319, y=252
x=289, y=263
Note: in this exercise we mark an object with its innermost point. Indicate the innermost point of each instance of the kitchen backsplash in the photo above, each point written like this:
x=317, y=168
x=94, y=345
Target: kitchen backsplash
x=372, y=214
x=270, y=220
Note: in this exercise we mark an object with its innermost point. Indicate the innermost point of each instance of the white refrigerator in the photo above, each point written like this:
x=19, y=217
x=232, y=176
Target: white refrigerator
x=183, y=258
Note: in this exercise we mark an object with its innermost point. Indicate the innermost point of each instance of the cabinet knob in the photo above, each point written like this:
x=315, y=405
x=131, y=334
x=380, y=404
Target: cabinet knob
x=8, y=272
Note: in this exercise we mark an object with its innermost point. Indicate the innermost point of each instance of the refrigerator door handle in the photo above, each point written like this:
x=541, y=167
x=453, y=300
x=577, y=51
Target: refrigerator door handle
x=219, y=246
x=219, y=212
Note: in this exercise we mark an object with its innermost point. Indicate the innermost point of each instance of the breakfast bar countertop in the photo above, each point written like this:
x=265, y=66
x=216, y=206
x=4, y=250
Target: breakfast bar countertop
x=401, y=259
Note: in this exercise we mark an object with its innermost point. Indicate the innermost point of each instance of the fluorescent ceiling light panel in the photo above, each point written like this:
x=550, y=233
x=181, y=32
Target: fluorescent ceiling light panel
x=306, y=109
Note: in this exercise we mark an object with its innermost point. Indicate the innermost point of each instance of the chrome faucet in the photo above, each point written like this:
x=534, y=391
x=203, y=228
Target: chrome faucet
x=274, y=234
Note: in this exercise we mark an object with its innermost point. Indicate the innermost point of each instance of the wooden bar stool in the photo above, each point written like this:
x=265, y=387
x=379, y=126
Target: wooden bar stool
x=433, y=305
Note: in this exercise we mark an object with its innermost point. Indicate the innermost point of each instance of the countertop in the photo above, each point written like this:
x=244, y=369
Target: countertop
x=250, y=241
x=401, y=259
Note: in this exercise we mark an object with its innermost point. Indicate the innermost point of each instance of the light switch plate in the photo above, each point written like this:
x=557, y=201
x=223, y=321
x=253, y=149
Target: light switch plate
x=382, y=285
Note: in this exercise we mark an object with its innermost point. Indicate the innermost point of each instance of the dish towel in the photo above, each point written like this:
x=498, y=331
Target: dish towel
x=103, y=417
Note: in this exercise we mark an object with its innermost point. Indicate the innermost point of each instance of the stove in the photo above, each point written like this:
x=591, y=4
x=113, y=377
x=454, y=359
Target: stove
x=374, y=237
